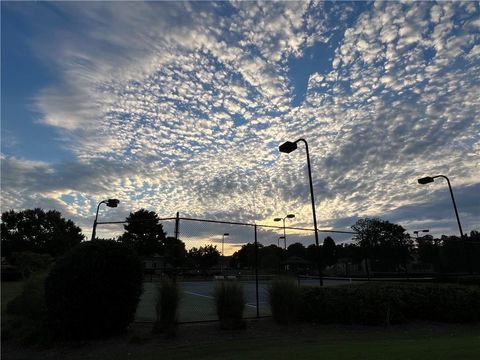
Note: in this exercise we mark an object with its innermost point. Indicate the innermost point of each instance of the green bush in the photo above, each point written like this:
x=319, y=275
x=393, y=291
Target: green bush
x=166, y=307
x=376, y=304
x=284, y=297
x=230, y=303
x=93, y=290
x=28, y=323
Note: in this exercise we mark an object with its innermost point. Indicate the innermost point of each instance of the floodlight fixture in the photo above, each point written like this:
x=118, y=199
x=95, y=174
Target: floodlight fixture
x=287, y=147
x=425, y=180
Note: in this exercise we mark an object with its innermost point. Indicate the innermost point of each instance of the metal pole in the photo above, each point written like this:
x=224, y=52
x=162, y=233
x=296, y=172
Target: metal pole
x=313, y=211
x=94, y=230
x=177, y=224
x=454, y=204
x=284, y=235
x=256, y=272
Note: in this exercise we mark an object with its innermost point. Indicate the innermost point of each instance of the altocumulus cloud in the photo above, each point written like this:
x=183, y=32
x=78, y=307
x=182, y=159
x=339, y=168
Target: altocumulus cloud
x=182, y=106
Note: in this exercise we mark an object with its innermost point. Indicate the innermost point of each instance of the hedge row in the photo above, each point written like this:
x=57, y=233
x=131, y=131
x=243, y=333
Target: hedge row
x=390, y=303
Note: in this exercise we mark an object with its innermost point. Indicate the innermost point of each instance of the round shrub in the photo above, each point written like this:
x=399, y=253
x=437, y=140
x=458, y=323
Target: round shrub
x=93, y=290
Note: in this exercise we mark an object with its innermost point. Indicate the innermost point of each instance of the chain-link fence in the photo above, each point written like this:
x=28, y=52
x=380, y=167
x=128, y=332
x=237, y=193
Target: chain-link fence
x=200, y=253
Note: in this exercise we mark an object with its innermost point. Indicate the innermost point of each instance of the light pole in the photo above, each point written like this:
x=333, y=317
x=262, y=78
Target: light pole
x=289, y=216
x=429, y=179
x=419, y=231
x=287, y=147
x=223, y=240
x=110, y=203
x=223, y=258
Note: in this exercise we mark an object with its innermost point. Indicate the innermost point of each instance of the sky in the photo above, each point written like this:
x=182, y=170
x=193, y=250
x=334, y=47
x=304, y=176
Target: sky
x=179, y=106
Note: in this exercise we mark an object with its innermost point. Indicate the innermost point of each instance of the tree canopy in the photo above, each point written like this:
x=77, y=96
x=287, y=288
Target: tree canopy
x=144, y=232
x=387, y=245
x=38, y=231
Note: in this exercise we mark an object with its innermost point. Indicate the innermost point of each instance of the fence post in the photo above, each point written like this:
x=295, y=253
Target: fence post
x=177, y=226
x=256, y=272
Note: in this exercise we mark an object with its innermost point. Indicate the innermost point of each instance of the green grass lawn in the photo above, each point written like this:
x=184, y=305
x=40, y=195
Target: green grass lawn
x=463, y=347
x=330, y=343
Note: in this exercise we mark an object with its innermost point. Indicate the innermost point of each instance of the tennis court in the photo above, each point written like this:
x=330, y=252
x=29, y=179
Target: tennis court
x=197, y=303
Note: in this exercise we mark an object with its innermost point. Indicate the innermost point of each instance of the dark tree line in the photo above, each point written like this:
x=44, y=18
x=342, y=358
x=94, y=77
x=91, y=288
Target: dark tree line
x=384, y=246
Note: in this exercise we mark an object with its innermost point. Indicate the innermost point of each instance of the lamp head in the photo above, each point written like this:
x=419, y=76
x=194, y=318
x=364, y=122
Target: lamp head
x=226, y=234
x=290, y=216
x=425, y=180
x=277, y=219
x=112, y=202
x=287, y=147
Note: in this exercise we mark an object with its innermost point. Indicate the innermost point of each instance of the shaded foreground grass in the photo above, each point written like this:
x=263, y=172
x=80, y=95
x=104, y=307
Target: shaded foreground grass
x=266, y=340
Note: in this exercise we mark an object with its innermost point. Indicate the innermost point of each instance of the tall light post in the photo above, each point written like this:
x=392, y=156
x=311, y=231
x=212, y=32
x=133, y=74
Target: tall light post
x=289, y=216
x=110, y=203
x=223, y=258
x=223, y=240
x=429, y=179
x=419, y=231
x=287, y=147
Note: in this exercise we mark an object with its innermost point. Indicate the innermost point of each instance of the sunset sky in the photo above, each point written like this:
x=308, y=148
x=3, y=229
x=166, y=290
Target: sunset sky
x=177, y=106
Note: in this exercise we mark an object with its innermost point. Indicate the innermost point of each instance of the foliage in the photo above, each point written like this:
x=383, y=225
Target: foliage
x=93, y=290
x=270, y=257
x=28, y=262
x=314, y=253
x=230, y=303
x=174, y=251
x=244, y=258
x=297, y=249
x=166, y=307
x=284, y=297
x=329, y=251
x=390, y=303
x=144, y=233
x=204, y=257
x=38, y=231
x=387, y=245
x=29, y=322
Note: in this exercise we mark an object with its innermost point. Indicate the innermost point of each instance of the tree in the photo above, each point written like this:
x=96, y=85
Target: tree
x=38, y=231
x=245, y=257
x=204, y=257
x=144, y=233
x=297, y=249
x=387, y=245
x=174, y=251
x=329, y=251
x=270, y=257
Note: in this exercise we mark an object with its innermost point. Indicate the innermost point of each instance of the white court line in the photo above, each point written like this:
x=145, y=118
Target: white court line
x=209, y=297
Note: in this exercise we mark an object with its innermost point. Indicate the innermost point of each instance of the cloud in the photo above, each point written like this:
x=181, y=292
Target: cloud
x=182, y=106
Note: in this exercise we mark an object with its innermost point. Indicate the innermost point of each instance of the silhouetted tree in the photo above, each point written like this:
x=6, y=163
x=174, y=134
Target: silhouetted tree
x=174, y=251
x=387, y=245
x=271, y=257
x=204, y=257
x=429, y=251
x=245, y=257
x=144, y=233
x=38, y=231
x=297, y=249
x=329, y=251
x=313, y=253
